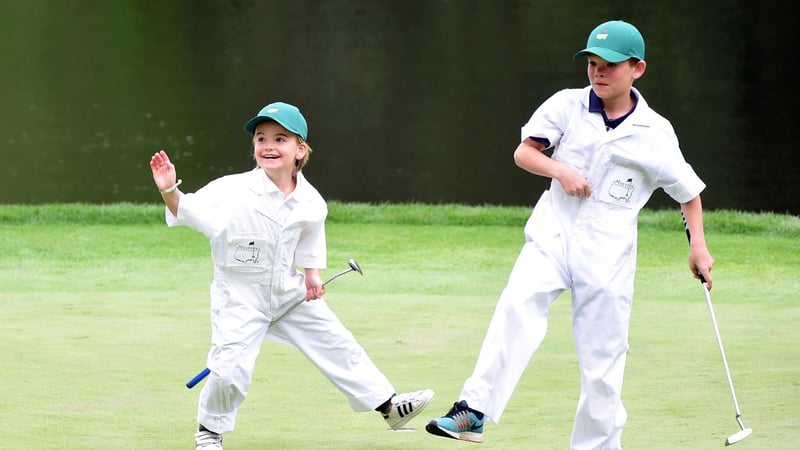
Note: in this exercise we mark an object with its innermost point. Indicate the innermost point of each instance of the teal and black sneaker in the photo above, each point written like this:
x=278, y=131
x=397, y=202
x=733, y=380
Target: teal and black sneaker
x=461, y=422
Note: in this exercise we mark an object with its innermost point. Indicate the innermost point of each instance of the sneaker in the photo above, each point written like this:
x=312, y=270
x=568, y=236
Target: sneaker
x=406, y=406
x=207, y=440
x=461, y=422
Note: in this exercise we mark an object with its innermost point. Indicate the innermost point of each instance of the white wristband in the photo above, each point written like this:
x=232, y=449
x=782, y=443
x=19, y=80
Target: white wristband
x=171, y=189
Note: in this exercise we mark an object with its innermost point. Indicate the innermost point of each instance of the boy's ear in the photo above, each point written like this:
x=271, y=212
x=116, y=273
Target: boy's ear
x=302, y=151
x=639, y=69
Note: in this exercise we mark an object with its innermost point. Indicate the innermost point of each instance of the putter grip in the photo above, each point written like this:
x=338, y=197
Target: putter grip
x=689, y=238
x=198, y=378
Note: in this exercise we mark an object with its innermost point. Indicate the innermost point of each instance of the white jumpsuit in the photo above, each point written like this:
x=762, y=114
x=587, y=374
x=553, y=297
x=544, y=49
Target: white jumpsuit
x=587, y=245
x=257, y=239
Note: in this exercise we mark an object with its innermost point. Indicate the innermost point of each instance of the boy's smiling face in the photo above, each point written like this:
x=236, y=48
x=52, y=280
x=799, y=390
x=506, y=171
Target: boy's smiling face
x=275, y=149
x=613, y=80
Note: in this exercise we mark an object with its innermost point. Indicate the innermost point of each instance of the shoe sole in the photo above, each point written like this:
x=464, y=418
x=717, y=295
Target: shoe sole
x=433, y=428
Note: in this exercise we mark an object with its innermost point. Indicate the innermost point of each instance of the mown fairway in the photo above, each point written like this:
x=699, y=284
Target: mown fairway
x=104, y=316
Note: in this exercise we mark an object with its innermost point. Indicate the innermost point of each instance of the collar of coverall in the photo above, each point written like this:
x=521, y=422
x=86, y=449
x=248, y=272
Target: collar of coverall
x=596, y=106
x=263, y=185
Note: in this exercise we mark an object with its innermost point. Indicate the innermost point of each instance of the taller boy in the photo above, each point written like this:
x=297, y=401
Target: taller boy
x=610, y=152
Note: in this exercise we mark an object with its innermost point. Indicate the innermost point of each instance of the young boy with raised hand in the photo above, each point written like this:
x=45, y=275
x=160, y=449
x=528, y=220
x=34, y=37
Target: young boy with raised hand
x=266, y=228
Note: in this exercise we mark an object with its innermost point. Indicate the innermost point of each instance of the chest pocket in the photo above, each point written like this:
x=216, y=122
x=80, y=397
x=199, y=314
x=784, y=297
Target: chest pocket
x=246, y=252
x=623, y=184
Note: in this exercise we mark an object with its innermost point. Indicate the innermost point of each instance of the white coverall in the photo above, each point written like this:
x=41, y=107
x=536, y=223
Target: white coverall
x=587, y=245
x=257, y=239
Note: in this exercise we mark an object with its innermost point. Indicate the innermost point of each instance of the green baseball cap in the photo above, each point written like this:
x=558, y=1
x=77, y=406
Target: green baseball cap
x=285, y=114
x=614, y=41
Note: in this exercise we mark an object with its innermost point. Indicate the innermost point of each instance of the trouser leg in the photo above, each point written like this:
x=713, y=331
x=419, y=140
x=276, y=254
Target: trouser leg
x=601, y=317
x=238, y=328
x=516, y=330
x=319, y=334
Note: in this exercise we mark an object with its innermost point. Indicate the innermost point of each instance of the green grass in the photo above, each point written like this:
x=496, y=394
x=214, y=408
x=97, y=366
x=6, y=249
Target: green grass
x=105, y=316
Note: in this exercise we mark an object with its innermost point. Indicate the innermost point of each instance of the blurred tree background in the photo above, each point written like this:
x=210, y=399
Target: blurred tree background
x=420, y=100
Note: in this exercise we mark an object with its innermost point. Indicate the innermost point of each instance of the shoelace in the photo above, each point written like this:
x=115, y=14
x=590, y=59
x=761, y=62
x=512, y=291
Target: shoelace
x=456, y=409
x=463, y=420
x=460, y=416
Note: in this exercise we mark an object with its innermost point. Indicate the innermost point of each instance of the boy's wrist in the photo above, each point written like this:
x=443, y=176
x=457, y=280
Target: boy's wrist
x=172, y=188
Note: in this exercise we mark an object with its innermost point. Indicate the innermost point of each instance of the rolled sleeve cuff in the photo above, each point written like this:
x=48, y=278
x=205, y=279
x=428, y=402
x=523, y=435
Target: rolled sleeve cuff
x=683, y=192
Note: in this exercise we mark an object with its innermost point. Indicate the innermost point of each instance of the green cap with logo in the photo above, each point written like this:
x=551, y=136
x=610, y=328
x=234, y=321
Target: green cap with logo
x=615, y=41
x=288, y=116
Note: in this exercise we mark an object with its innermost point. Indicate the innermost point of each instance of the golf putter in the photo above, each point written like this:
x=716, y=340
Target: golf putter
x=354, y=267
x=743, y=432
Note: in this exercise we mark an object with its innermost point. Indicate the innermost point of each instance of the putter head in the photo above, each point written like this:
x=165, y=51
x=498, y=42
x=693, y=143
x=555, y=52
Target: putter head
x=736, y=437
x=354, y=265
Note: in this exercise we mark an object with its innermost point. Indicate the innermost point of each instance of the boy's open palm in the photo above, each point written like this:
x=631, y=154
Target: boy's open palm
x=163, y=170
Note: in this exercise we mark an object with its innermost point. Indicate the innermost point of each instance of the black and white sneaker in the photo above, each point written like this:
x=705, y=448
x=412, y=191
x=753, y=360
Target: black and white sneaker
x=207, y=440
x=406, y=406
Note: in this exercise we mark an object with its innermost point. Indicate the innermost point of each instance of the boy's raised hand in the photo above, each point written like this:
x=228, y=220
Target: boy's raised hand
x=163, y=170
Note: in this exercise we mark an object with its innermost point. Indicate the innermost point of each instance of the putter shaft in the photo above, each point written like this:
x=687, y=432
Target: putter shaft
x=744, y=432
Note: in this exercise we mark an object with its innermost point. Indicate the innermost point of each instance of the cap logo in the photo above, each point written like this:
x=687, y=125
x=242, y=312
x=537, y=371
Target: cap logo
x=272, y=110
x=602, y=36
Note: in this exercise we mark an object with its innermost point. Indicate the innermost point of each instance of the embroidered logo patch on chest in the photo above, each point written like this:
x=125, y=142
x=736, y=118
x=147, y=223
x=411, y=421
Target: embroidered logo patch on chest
x=621, y=190
x=248, y=253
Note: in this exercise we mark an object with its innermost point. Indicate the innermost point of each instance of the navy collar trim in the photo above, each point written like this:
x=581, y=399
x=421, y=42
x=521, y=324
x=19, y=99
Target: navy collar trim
x=596, y=106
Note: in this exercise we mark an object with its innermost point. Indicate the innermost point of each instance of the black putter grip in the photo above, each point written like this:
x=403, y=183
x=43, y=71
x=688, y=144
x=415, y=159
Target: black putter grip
x=689, y=238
